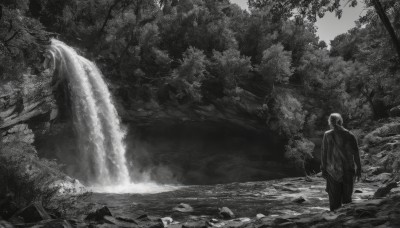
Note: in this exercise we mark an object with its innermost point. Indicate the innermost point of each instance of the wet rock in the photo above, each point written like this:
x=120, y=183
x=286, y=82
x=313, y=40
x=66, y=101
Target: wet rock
x=183, y=207
x=286, y=189
x=5, y=224
x=358, y=191
x=394, y=112
x=124, y=219
x=299, y=200
x=147, y=218
x=383, y=177
x=33, y=213
x=383, y=191
x=239, y=222
x=149, y=221
x=57, y=223
x=365, y=212
x=112, y=220
x=226, y=213
x=166, y=221
x=375, y=170
x=259, y=216
x=198, y=224
x=98, y=213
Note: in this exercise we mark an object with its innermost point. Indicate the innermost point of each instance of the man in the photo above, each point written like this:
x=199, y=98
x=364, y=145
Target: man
x=338, y=159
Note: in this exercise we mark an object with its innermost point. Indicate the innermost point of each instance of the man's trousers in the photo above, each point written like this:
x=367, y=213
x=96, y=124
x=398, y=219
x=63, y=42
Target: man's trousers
x=339, y=192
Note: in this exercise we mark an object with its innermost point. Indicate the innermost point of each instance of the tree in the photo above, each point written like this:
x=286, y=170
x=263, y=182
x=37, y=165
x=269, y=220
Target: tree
x=276, y=64
x=313, y=8
x=21, y=39
x=229, y=66
x=187, y=78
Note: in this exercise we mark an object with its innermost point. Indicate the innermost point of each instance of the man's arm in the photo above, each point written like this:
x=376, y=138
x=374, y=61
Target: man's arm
x=356, y=154
x=324, y=149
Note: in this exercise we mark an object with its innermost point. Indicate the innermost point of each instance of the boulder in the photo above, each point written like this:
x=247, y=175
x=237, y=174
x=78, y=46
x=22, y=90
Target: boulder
x=299, y=200
x=32, y=213
x=383, y=191
x=183, y=207
x=226, y=213
x=149, y=221
x=395, y=112
x=97, y=214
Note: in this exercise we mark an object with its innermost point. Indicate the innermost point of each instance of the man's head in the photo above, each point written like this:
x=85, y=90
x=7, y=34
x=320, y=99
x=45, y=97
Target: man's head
x=335, y=120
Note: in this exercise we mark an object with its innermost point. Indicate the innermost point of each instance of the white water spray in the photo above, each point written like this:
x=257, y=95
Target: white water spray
x=95, y=118
x=96, y=121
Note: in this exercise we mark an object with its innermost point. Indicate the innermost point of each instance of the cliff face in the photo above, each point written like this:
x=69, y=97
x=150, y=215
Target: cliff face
x=27, y=106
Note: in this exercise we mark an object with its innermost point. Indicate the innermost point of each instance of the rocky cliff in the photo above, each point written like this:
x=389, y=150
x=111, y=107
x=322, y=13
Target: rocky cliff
x=27, y=106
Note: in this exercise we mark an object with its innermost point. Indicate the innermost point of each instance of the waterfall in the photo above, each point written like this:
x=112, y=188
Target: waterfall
x=96, y=121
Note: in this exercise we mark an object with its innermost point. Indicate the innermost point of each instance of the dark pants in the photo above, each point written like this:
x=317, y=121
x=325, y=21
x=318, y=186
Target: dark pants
x=339, y=192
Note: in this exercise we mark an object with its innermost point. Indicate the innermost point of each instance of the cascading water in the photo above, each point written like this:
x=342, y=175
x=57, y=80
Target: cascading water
x=95, y=118
x=96, y=121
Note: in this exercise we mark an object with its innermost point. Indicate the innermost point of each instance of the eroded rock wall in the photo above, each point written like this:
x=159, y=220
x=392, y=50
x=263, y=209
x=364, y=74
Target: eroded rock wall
x=27, y=106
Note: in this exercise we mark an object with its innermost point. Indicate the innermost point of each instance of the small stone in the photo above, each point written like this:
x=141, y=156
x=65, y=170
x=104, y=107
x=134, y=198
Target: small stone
x=226, y=213
x=260, y=216
x=358, y=191
x=97, y=214
x=299, y=200
x=166, y=221
x=183, y=207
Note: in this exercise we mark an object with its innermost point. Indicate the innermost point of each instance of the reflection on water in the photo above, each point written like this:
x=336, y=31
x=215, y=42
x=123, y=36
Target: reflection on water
x=271, y=198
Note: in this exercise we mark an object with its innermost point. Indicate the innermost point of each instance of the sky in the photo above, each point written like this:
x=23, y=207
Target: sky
x=329, y=26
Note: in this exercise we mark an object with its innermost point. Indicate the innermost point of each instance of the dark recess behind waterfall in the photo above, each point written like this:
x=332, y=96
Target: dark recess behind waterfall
x=189, y=152
x=205, y=152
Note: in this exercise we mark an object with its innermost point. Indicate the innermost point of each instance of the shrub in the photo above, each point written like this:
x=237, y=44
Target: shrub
x=298, y=151
x=26, y=176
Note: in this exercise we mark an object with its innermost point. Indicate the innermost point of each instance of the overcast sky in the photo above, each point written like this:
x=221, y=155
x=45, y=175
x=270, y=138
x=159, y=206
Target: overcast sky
x=329, y=26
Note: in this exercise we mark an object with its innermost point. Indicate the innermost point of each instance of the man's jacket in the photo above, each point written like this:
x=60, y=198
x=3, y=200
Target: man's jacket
x=339, y=153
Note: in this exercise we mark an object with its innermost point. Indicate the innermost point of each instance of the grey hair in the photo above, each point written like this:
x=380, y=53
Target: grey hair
x=335, y=120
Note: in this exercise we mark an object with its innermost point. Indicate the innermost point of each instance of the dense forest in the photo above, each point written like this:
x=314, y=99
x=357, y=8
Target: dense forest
x=268, y=64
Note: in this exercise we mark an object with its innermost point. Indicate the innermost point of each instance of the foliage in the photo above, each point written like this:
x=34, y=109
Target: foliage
x=21, y=40
x=298, y=151
x=268, y=65
x=289, y=115
x=25, y=176
x=229, y=66
x=276, y=64
x=188, y=76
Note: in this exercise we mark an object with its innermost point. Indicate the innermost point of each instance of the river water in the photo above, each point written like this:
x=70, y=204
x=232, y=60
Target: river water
x=271, y=198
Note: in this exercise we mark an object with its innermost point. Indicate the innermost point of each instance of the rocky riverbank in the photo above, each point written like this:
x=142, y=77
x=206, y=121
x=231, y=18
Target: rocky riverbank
x=292, y=202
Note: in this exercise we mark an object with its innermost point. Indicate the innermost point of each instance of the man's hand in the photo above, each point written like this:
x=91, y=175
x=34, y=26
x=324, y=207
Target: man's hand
x=358, y=174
